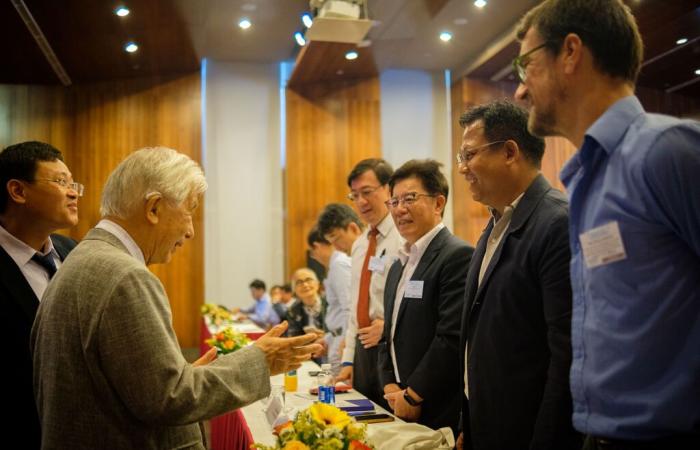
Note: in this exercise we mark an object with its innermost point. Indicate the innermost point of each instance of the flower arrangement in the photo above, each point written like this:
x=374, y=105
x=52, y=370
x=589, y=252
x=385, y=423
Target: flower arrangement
x=320, y=427
x=217, y=315
x=228, y=340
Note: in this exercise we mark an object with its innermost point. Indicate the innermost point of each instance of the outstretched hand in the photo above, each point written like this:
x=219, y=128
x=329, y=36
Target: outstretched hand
x=285, y=354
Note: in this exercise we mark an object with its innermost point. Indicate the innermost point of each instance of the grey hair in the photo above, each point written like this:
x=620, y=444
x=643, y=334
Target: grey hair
x=147, y=172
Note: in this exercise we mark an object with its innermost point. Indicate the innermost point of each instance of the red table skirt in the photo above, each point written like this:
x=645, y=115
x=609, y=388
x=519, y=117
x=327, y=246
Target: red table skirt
x=229, y=431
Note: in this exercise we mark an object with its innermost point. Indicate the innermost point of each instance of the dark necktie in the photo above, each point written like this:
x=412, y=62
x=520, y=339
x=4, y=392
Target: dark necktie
x=45, y=261
x=363, y=319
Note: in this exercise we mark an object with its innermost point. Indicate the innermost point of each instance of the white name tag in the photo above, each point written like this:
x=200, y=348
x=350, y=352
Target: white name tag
x=376, y=264
x=414, y=289
x=602, y=245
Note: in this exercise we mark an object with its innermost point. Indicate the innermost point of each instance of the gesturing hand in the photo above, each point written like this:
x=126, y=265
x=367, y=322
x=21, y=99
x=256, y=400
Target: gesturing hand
x=285, y=354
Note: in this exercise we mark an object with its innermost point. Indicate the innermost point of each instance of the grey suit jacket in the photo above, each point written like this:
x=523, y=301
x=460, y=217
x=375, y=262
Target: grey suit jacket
x=108, y=371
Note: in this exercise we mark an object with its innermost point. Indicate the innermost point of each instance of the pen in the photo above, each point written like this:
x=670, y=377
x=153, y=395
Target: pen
x=383, y=253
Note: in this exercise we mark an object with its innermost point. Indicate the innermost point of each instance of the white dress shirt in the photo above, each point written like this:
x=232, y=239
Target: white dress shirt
x=21, y=254
x=387, y=247
x=410, y=256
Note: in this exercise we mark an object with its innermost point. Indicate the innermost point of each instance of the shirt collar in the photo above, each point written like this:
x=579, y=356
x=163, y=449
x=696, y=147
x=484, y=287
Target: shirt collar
x=418, y=248
x=609, y=129
x=19, y=251
x=507, y=210
x=124, y=237
x=385, y=225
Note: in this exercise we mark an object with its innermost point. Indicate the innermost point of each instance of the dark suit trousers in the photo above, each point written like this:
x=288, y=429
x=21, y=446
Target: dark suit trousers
x=365, y=374
x=686, y=442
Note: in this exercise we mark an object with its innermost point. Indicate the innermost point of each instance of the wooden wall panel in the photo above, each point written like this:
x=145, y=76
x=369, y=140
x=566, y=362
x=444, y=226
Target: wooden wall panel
x=96, y=126
x=471, y=217
x=330, y=127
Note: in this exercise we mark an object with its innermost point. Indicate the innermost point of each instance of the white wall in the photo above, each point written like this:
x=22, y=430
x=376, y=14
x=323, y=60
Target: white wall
x=415, y=120
x=243, y=206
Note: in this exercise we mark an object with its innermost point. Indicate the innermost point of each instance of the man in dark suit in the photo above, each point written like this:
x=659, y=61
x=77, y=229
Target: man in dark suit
x=37, y=197
x=423, y=300
x=515, y=339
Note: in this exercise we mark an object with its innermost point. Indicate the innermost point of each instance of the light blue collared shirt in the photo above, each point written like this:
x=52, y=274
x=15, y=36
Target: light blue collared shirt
x=262, y=313
x=636, y=322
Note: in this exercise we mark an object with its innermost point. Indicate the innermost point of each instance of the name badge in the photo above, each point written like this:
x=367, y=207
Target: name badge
x=602, y=245
x=414, y=289
x=376, y=264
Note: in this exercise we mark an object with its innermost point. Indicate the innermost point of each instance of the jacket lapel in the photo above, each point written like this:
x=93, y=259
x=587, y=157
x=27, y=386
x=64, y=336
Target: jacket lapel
x=20, y=291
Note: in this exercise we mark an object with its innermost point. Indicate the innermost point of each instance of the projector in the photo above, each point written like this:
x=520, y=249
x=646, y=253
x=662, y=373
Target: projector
x=339, y=9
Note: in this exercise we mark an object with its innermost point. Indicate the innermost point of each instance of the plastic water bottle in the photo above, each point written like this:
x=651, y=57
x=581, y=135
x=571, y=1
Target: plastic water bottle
x=326, y=385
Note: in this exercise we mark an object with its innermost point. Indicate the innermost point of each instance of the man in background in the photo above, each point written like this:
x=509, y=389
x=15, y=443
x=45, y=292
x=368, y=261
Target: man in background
x=372, y=255
x=337, y=291
x=261, y=311
x=339, y=224
x=37, y=197
x=516, y=329
x=108, y=370
x=635, y=215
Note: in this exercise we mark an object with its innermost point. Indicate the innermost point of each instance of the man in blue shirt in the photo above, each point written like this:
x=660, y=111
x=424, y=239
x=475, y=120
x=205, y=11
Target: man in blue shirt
x=261, y=312
x=634, y=226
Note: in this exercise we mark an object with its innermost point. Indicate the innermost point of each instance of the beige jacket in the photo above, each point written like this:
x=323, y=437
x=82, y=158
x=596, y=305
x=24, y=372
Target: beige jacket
x=108, y=371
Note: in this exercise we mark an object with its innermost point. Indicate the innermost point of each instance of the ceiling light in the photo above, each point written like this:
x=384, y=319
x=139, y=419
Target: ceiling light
x=352, y=54
x=299, y=38
x=122, y=11
x=307, y=20
x=681, y=41
x=480, y=3
x=697, y=71
x=244, y=24
x=131, y=47
x=445, y=36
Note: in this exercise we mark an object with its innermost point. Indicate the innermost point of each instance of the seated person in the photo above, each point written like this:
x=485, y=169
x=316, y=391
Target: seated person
x=261, y=312
x=309, y=312
x=283, y=301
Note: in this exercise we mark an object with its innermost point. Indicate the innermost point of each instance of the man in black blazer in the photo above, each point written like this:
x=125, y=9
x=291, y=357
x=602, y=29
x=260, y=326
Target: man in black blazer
x=515, y=339
x=37, y=197
x=423, y=299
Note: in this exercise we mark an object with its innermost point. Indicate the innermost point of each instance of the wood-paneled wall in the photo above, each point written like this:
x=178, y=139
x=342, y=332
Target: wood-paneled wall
x=96, y=126
x=330, y=127
x=471, y=217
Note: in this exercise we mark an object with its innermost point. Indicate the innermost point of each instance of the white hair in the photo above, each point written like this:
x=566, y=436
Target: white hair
x=149, y=171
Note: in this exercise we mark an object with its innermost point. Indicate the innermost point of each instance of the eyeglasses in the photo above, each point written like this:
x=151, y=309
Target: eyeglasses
x=521, y=62
x=77, y=187
x=364, y=193
x=464, y=156
x=407, y=199
x=304, y=281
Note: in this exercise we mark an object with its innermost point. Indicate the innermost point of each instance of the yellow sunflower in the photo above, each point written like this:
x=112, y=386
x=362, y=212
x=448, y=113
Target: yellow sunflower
x=329, y=415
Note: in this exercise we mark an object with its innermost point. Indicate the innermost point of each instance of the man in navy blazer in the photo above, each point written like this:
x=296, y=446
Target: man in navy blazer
x=37, y=197
x=423, y=299
x=515, y=339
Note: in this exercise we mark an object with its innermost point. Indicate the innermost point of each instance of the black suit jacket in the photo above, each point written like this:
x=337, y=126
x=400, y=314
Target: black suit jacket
x=18, y=306
x=517, y=324
x=426, y=337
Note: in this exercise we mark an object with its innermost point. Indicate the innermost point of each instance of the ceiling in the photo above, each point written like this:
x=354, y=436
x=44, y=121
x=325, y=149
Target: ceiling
x=174, y=35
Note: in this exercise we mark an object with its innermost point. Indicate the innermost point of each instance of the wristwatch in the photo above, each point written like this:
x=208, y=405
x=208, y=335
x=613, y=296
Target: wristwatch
x=410, y=400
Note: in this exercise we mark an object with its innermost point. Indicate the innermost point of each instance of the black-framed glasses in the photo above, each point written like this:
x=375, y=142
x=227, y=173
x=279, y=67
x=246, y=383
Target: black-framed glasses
x=464, y=156
x=407, y=199
x=77, y=187
x=364, y=193
x=304, y=281
x=521, y=62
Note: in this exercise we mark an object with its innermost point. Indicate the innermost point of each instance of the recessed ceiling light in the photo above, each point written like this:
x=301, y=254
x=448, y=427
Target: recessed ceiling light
x=299, y=38
x=697, y=71
x=307, y=20
x=352, y=54
x=244, y=24
x=681, y=41
x=480, y=3
x=131, y=47
x=122, y=11
x=445, y=36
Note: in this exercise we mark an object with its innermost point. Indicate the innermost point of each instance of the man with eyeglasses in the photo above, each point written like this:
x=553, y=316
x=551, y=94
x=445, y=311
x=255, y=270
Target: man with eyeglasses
x=37, y=198
x=515, y=334
x=372, y=254
x=635, y=215
x=423, y=299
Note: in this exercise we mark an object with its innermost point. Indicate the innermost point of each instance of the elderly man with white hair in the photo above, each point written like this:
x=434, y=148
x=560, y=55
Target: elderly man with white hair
x=108, y=371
